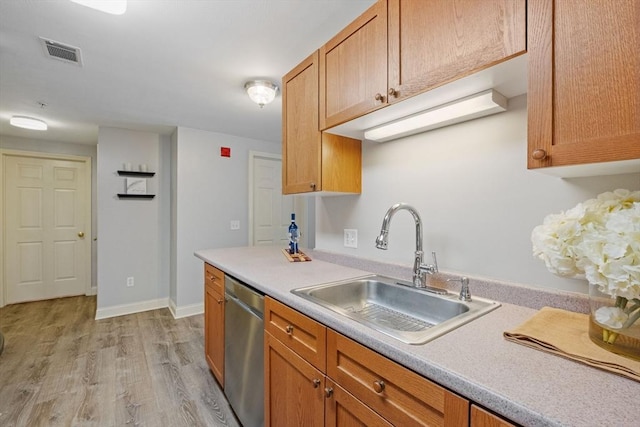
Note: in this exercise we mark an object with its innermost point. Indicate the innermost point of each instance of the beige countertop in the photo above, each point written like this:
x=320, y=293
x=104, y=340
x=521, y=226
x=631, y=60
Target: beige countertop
x=529, y=387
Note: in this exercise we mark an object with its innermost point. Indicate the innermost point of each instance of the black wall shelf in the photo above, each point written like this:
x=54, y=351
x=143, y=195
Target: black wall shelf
x=136, y=196
x=136, y=173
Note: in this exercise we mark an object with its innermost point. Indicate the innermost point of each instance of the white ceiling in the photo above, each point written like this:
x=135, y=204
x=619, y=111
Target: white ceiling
x=164, y=63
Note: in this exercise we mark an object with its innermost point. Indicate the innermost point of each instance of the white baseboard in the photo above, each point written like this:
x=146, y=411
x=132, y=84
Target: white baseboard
x=136, y=307
x=185, y=311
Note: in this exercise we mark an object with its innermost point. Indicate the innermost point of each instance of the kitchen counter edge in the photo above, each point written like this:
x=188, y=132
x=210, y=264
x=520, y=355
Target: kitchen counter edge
x=492, y=373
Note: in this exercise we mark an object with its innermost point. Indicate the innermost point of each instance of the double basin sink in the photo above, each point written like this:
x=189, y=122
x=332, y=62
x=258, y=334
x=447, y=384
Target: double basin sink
x=396, y=308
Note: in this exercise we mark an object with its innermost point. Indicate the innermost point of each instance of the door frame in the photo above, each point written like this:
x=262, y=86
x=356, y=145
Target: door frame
x=4, y=153
x=253, y=155
x=301, y=202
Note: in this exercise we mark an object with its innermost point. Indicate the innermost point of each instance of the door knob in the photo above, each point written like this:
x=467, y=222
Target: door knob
x=81, y=234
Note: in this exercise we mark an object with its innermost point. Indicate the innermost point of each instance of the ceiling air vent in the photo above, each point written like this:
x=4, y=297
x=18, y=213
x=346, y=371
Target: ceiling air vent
x=61, y=51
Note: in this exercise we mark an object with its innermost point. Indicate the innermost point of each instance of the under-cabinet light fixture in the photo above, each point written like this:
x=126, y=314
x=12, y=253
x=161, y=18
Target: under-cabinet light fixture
x=27, y=123
x=474, y=106
x=114, y=7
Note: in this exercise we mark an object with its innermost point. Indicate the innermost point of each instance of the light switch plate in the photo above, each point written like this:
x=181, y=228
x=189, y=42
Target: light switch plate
x=235, y=224
x=350, y=238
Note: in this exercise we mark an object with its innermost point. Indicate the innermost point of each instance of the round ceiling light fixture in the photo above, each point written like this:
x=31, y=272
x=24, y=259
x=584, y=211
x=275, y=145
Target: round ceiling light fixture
x=262, y=92
x=27, y=123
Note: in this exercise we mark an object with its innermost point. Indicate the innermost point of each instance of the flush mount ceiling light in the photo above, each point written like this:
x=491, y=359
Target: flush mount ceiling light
x=261, y=92
x=474, y=106
x=114, y=7
x=27, y=123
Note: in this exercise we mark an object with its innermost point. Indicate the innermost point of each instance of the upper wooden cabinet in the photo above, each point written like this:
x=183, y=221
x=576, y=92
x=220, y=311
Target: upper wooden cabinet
x=353, y=68
x=433, y=42
x=584, y=82
x=301, y=137
x=311, y=160
x=399, y=48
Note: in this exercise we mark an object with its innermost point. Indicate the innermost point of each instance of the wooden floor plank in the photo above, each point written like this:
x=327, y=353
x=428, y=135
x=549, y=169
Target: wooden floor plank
x=60, y=367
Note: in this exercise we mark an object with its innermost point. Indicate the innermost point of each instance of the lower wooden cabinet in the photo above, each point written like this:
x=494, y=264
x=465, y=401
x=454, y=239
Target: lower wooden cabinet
x=298, y=394
x=358, y=387
x=482, y=418
x=294, y=389
x=343, y=409
x=214, y=320
x=403, y=397
x=300, y=333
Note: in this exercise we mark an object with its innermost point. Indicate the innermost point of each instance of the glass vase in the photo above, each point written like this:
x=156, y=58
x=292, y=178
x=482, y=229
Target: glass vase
x=624, y=341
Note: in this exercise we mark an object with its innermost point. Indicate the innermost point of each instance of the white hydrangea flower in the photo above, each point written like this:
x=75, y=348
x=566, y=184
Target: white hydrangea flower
x=599, y=239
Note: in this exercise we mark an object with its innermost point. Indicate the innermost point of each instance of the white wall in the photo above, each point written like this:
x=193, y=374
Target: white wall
x=131, y=241
x=210, y=192
x=56, y=147
x=477, y=200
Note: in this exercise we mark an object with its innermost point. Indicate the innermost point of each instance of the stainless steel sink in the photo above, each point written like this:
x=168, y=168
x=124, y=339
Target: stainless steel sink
x=396, y=308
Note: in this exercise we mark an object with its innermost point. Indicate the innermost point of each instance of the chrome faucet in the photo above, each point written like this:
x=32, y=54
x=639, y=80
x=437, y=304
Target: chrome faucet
x=419, y=268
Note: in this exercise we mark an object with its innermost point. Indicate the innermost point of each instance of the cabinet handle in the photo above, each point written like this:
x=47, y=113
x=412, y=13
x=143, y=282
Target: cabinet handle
x=328, y=391
x=220, y=301
x=539, y=154
x=316, y=383
x=312, y=185
x=393, y=92
x=378, y=386
x=289, y=329
x=379, y=97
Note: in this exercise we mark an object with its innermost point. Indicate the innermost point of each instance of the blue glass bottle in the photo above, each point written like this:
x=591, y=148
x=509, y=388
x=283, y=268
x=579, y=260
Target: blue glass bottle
x=293, y=235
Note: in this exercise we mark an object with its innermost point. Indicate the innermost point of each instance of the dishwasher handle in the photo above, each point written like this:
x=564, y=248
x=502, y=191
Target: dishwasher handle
x=243, y=295
x=251, y=310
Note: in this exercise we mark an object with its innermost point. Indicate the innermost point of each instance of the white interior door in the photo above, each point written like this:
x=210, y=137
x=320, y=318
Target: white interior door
x=271, y=209
x=46, y=250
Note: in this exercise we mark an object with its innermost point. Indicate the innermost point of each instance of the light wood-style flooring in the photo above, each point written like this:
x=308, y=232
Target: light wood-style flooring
x=60, y=367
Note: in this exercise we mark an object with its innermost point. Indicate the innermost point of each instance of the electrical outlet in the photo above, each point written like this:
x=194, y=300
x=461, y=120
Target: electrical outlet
x=350, y=238
x=235, y=224
x=130, y=281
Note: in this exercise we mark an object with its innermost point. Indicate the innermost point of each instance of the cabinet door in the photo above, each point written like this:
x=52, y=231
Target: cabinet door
x=301, y=152
x=402, y=396
x=584, y=82
x=341, y=164
x=482, y=418
x=433, y=42
x=302, y=334
x=294, y=390
x=353, y=68
x=214, y=277
x=342, y=409
x=214, y=332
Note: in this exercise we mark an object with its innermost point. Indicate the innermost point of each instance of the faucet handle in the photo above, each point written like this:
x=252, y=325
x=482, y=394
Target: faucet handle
x=426, y=268
x=465, y=293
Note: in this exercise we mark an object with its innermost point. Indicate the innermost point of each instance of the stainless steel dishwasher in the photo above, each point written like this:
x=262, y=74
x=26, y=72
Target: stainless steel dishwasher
x=244, y=351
